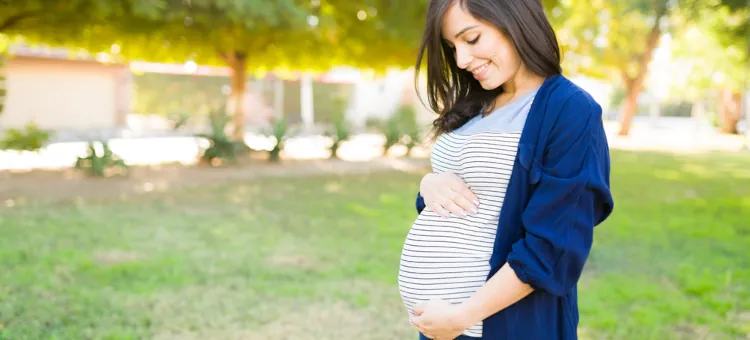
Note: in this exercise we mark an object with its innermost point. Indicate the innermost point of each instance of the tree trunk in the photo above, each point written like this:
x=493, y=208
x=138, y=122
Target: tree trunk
x=630, y=106
x=730, y=106
x=634, y=85
x=238, y=62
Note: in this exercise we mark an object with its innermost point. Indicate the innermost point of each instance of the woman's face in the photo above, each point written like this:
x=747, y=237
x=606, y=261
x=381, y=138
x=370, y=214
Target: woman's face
x=480, y=48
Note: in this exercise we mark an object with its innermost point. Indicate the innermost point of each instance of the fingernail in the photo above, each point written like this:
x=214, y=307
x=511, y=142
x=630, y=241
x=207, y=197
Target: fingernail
x=476, y=202
x=474, y=210
x=464, y=214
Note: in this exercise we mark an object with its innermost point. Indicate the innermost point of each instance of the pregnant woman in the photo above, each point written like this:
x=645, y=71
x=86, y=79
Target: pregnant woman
x=520, y=179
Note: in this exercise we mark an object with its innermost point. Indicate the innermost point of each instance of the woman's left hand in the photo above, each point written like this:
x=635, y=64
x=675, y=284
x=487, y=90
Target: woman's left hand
x=438, y=319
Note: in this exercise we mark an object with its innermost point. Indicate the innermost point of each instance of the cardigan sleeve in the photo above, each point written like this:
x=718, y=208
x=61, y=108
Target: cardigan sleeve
x=420, y=203
x=571, y=197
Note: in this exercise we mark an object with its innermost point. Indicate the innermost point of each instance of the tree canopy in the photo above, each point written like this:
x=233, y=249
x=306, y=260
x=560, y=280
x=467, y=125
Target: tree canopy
x=713, y=56
x=711, y=49
x=616, y=40
x=612, y=40
x=299, y=35
x=286, y=34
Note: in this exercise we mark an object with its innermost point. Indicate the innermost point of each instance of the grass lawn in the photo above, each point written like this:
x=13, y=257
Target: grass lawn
x=317, y=258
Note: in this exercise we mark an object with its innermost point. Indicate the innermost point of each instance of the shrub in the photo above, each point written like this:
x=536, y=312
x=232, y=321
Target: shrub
x=401, y=128
x=392, y=132
x=341, y=132
x=30, y=138
x=413, y=138
x=101, y=161
x=280, y=128
x=221, y=147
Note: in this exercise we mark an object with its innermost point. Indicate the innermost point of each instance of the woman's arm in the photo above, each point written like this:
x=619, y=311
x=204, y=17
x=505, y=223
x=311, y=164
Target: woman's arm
x=500, y=291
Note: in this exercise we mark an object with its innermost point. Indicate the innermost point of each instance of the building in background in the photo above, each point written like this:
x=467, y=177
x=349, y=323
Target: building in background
x=79, y=95
x=61, y=91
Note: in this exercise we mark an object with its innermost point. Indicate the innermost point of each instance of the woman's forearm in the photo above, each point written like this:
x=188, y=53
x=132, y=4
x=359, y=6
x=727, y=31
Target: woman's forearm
x=500, y=291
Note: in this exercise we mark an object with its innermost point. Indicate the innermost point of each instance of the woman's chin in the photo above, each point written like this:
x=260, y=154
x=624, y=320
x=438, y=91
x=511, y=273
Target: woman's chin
x=490, y=84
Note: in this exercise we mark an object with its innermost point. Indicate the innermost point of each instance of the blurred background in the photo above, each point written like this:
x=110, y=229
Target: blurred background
x=246, y=169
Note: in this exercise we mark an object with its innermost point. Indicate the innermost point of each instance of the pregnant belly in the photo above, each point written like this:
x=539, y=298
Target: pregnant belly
x=444, y=259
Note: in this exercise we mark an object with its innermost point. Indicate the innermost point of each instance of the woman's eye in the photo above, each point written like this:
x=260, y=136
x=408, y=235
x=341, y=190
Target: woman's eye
x=474, y=41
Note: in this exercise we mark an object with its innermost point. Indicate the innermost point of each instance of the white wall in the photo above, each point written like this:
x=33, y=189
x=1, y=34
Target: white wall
x=379, y=98
x=63, y=94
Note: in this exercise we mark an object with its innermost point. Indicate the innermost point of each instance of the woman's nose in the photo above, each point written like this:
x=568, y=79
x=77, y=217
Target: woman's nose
x=463, y=58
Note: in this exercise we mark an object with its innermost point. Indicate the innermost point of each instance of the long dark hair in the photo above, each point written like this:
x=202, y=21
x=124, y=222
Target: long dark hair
x=453, y=92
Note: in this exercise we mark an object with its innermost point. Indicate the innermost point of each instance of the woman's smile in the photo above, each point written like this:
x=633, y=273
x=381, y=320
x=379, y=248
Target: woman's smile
x=481, y=71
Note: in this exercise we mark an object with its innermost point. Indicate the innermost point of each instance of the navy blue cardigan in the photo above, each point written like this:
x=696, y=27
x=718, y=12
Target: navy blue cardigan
x=558, y=192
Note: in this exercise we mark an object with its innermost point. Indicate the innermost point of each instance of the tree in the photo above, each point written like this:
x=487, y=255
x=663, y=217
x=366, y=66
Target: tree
x=259, y=35
x=616, y=42
x=619, y=40
x=734, y=36
x=712, y=56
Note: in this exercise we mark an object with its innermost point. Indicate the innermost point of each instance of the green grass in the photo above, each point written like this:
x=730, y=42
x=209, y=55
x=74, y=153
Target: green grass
x=317, y=258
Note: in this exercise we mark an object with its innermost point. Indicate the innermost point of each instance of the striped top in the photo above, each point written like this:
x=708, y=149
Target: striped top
x=449, y=258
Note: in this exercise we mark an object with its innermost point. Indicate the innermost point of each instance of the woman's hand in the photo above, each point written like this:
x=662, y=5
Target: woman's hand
x=447, y=193
x=438, y=319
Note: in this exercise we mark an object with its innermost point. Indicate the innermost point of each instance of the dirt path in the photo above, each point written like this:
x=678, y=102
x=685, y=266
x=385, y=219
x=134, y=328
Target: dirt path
x=64, y=184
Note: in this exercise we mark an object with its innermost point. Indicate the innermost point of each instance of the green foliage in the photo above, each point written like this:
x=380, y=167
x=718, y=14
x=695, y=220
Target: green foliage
x=606, y=39
x=618, y=97
x=392, y=132
x=221, y=149
x=93, y=25
x=400, y=128
x=329, y=100
x=376, y=34
x=414, y=138
x=34, y=15
x=735, y=31
x=341, y=133
x=610, y=40
x=709, y=55
x=285, y=34
x=167, y=94
x=676, y=109
x=30, y=138
x=180, y=120
x=340, y=130
x=100, y=161
x=411, y=130
x=280, y=128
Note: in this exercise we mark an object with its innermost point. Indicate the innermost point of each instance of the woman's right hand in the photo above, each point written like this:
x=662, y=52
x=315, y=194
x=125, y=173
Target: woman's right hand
x=446, y=193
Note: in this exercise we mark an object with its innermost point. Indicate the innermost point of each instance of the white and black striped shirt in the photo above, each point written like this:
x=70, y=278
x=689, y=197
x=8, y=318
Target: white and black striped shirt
x=449, y=258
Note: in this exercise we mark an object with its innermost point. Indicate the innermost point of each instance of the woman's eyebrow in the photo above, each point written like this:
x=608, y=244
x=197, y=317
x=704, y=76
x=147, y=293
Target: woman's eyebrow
x=464, y=30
